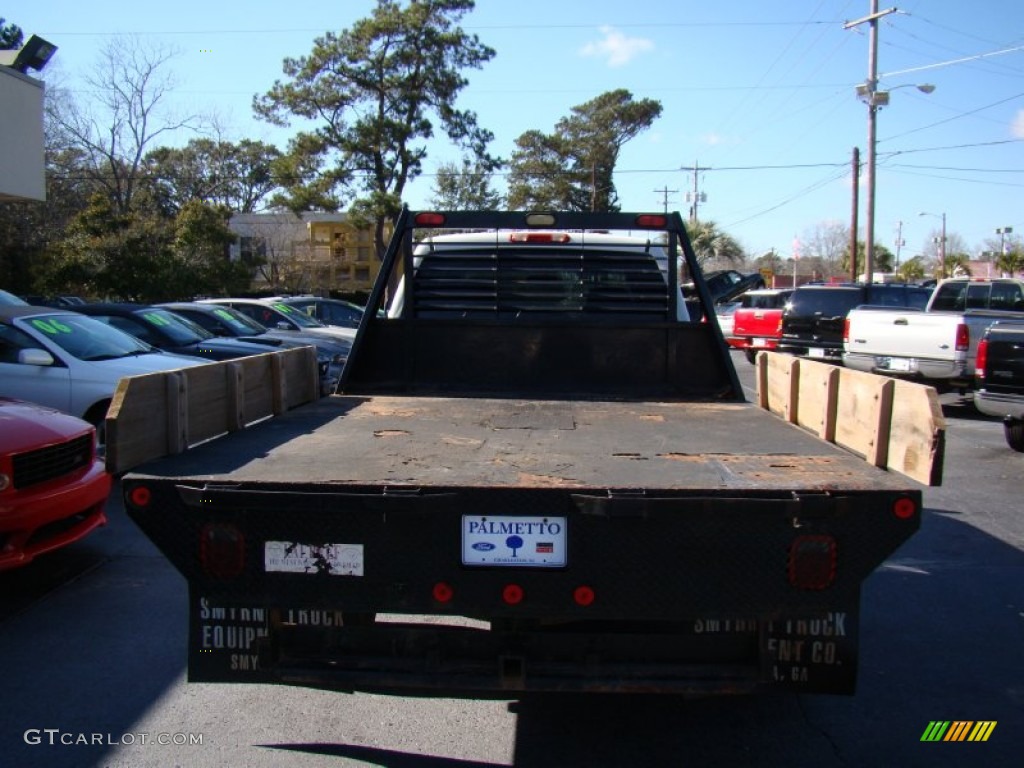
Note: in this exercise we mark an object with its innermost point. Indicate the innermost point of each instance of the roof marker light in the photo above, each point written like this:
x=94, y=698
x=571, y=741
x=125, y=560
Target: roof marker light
x=540, y=220
x=655, y=221
x=539, y=237
x=429, y=220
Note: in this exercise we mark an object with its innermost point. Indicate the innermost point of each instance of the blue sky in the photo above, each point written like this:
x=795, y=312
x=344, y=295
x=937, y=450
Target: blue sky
x=760, y=95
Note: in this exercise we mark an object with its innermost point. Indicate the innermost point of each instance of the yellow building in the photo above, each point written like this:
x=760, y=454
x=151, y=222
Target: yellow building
x=305, y=253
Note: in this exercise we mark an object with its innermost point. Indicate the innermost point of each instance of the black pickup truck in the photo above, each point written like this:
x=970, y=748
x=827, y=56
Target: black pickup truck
x=999, y=368
x=540, y=473
x=814, y=316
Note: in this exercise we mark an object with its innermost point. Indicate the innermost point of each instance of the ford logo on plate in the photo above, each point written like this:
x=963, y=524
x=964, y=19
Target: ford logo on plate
x=483, y=546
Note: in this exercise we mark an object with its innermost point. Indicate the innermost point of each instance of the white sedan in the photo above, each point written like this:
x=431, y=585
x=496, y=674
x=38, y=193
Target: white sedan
x=71, y=362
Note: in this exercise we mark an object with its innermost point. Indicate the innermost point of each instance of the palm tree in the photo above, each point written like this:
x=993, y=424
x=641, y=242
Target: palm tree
x=1010, y=262
x=710, y=243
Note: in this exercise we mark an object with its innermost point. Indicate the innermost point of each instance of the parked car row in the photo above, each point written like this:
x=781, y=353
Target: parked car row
x=964, y=334
x=60, y=364
x=53, y=486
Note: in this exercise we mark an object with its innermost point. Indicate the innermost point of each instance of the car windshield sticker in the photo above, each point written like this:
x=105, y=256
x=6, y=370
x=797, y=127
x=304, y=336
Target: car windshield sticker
x=154, y=319
x=51, y=326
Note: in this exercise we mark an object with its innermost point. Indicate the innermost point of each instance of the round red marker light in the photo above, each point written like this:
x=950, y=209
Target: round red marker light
x=583, y=596
x=443, y=592
x=512, y=594
x=904, y=508
x=140, y=496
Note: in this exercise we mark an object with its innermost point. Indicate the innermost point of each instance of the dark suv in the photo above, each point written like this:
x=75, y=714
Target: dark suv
x=812, y=322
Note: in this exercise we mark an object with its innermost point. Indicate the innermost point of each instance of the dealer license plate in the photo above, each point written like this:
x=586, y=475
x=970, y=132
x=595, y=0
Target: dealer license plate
x=538, y=542
x=332, y=559
x=897, y=364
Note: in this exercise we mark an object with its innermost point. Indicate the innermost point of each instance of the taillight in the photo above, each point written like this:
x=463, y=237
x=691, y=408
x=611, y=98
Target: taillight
x=981, y=361
x=222, y=550
x=846, y=330
x=963, y=338
x=812, y=562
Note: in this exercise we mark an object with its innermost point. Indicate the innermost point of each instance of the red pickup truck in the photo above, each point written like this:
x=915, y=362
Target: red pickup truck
x=757, y=321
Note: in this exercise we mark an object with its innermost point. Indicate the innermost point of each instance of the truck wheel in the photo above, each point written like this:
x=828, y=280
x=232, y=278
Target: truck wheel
x=1014, y=434
x=752, y=355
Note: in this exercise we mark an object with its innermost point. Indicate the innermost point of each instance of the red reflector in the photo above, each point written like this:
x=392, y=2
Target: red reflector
x=904, y=508
x=443, y=592
x=140, y=496
x=429, y=220
x=512, y=594
x=222, y=550
x=651, y=220
x=812, y=562
x=539, y=237
x=583, y=596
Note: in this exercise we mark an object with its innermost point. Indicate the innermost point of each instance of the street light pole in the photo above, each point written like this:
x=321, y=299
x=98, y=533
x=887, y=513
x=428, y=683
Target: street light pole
x=942, y=241
x=1003, y=232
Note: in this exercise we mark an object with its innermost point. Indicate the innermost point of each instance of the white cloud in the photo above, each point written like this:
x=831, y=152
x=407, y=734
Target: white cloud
x=616, y=48
x=1017, y=127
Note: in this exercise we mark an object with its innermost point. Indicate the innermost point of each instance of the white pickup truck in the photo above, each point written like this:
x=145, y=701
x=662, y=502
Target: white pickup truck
x=937, y=345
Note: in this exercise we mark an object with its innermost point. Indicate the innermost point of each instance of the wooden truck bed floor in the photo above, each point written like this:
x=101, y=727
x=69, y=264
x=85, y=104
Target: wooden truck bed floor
x=481, y=442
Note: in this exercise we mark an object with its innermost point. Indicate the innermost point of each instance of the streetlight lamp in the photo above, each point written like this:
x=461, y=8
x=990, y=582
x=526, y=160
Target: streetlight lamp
x=874, y=98
x=1003, y=232
x=942, y=241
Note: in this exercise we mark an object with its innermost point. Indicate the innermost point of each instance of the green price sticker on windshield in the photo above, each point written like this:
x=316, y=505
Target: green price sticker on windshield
x=51, y=326
x=154, y=319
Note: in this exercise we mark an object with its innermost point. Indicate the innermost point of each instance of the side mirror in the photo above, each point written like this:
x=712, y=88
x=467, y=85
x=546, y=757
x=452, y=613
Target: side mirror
x=38, y=357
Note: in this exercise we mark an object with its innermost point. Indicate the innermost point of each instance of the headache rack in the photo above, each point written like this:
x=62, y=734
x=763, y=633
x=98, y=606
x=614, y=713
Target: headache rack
x=528, y=305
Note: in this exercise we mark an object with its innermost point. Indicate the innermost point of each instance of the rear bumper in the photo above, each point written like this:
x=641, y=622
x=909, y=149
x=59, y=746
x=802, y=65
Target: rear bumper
x=812, y=350
x=38, y=521
x=911, y=367
x=1004, y=406
x=700, y=656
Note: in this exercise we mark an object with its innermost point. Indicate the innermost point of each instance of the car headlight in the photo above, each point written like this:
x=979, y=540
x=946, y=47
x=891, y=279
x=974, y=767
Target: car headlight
x=5, y=481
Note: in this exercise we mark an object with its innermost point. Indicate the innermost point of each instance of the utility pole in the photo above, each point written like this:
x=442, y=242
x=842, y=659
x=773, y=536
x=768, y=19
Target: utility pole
x=665, y=193
x=853, y=216
x=899, y=241
x=696, y=196
x=869, y=93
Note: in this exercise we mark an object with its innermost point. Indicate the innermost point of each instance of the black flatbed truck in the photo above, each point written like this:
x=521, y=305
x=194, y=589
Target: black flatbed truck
x=541, y=475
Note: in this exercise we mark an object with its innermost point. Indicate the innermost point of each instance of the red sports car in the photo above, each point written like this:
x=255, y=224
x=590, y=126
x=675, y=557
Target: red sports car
x=53, y=488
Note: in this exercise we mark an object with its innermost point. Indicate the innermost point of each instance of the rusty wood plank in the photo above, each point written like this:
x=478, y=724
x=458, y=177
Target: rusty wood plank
x=817, y=385
x=234, y=405
x=861, y=398
x=761, y=379
x=176, y=387
x=917, y=436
